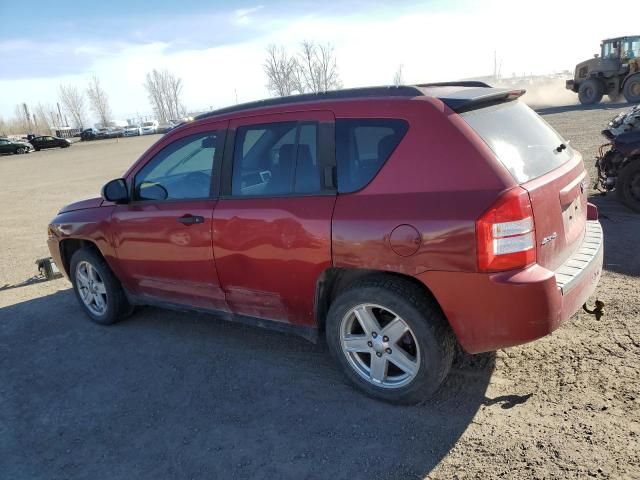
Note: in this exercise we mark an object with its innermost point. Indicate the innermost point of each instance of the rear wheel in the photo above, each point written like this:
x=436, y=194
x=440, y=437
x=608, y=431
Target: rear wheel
x=590, y=92
x=390, y=339
x=631, y=88
x=628, y=185
x=97, y=289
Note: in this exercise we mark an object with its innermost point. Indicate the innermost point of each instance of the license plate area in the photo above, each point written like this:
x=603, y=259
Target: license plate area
x=573, y=218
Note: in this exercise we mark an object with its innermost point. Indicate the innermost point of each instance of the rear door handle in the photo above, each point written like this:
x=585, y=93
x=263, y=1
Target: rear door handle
x=189, y=219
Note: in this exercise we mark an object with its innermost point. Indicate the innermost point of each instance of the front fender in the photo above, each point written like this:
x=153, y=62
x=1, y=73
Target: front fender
x=89, y=225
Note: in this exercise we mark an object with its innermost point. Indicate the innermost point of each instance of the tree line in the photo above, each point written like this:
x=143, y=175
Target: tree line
x=163, y=88
x=312, y=68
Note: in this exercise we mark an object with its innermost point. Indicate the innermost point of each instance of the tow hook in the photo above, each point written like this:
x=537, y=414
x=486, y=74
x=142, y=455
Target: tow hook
x=598, y=310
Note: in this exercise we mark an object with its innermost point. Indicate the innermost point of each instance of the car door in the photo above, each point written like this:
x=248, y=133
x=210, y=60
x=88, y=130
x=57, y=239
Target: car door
x=4, y=146
x=162, y=236
x=272, y=226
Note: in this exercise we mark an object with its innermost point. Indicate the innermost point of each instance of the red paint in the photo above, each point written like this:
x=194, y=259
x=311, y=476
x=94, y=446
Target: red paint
x=263, y=257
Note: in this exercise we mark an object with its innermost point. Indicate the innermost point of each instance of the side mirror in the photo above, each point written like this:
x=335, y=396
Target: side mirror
x=116, y=191
x=596, y=55
x=152, y=191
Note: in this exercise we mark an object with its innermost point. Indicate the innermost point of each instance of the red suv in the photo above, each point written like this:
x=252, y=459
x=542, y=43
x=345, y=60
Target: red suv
x=399, y=221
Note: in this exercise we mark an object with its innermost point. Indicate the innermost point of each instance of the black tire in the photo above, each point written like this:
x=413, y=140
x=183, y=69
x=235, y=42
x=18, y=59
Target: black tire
x=426, y=321
x=628, y=185
x=631, y=89
x=20, y=150
x=37, y=149
x=117, y=306
x=590, y=92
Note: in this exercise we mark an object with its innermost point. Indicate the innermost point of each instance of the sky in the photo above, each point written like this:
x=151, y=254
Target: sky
x=218, y=48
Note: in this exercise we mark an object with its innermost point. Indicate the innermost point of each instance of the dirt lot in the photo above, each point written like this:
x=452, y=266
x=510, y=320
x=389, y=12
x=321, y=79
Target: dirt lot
x=172, y=395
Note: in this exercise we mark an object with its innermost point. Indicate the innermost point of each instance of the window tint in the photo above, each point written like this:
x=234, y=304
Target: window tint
x=181, y=170
x=362, y=147
x=523, y=142
x=276, y=159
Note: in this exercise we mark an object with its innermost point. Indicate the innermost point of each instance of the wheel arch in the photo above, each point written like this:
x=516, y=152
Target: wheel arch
x=333, y=281
x=69, y=246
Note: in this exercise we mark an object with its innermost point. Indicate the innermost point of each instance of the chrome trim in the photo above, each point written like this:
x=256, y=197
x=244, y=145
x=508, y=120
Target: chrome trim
x=569, y=274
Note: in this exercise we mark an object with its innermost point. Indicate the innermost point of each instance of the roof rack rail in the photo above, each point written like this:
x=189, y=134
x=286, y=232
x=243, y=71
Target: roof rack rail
x=462, y=83
x=384, y=91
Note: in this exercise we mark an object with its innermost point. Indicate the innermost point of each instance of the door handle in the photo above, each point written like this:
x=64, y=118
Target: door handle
x=189, y=219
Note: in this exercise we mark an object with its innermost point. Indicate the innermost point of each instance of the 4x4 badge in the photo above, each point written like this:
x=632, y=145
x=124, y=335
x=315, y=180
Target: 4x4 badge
x=549, y=238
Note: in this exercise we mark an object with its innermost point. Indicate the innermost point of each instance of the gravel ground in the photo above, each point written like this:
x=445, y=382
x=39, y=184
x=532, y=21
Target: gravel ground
x=174, y=395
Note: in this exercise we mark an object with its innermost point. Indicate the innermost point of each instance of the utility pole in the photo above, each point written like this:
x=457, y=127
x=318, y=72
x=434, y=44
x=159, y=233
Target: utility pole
x=26, y=114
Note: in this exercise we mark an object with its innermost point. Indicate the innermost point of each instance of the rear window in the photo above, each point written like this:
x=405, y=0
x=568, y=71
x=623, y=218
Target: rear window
x=362, y=147
x=523, y=142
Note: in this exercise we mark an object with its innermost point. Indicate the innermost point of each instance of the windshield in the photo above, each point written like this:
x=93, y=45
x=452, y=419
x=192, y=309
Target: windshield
x=147, y=124
x=523, y=142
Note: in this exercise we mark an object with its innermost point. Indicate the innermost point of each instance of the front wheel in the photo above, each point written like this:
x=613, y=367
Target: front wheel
x=390, y=339
x=21, y=150
x=590, y=92
x=628, y=185
x=97, y=289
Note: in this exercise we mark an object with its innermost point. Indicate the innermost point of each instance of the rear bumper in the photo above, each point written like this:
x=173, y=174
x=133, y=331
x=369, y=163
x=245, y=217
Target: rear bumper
x=492, y=311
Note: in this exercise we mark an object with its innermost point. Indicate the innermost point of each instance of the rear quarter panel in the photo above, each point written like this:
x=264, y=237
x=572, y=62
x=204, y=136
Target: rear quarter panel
x=439, y=180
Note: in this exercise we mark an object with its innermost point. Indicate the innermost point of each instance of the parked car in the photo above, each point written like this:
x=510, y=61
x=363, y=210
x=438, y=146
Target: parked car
x=11, y=146
x=89, y=134
x=395, y=221
x=132, y=130
x=103, y=133
x=149, y=128
x=166, y=127
x=47, y=141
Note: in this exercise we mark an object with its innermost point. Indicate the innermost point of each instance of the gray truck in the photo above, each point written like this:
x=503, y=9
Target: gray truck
x=614, y=72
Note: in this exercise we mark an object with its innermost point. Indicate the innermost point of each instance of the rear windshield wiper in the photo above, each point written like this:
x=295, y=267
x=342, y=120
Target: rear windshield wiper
x=560, y=147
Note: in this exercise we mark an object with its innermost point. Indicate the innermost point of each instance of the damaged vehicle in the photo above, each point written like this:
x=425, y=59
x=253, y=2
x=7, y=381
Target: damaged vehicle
x=618, y=162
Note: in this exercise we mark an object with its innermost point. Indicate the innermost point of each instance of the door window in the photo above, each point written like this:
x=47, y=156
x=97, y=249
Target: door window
x=181, y=170
x=276, y=159
x=362, y=147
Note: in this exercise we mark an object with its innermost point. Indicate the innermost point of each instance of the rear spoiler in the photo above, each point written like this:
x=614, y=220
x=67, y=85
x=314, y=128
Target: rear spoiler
x=470, y=95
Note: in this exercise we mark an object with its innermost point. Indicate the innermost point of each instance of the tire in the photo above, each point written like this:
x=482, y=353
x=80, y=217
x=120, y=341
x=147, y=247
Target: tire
x=628, y=185
x=590, y=92
x=20, y=150
x=428, y=343
x=631, y=89
x=116, y=306
x=37, y=149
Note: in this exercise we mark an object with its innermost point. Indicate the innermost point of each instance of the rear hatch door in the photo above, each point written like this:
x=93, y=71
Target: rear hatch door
x=544, y=164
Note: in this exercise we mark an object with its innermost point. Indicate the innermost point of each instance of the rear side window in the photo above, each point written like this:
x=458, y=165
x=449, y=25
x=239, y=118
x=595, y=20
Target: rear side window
x=523, y=142
x=276, y=159
x=362, y=147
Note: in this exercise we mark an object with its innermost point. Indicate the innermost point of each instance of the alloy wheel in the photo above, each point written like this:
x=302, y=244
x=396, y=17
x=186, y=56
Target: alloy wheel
x=91, y=288
x=380, y=346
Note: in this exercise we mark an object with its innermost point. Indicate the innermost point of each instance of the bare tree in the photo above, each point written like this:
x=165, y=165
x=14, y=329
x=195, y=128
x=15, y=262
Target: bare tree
x=46, y=118
x=165, y=93
x=99, y=101
x=398, y=79
x=73, y=101
x=318, y=68
x=283, y=72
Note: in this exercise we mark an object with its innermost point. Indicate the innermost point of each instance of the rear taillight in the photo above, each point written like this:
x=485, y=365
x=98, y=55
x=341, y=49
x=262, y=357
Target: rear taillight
x=505, y=233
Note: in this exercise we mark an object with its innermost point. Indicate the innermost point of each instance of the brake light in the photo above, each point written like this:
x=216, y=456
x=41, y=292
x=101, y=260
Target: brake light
x=505, y=233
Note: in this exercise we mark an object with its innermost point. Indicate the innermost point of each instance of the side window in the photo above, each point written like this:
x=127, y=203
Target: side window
x=182, y=170
x=362, y=147
x=276, y=159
